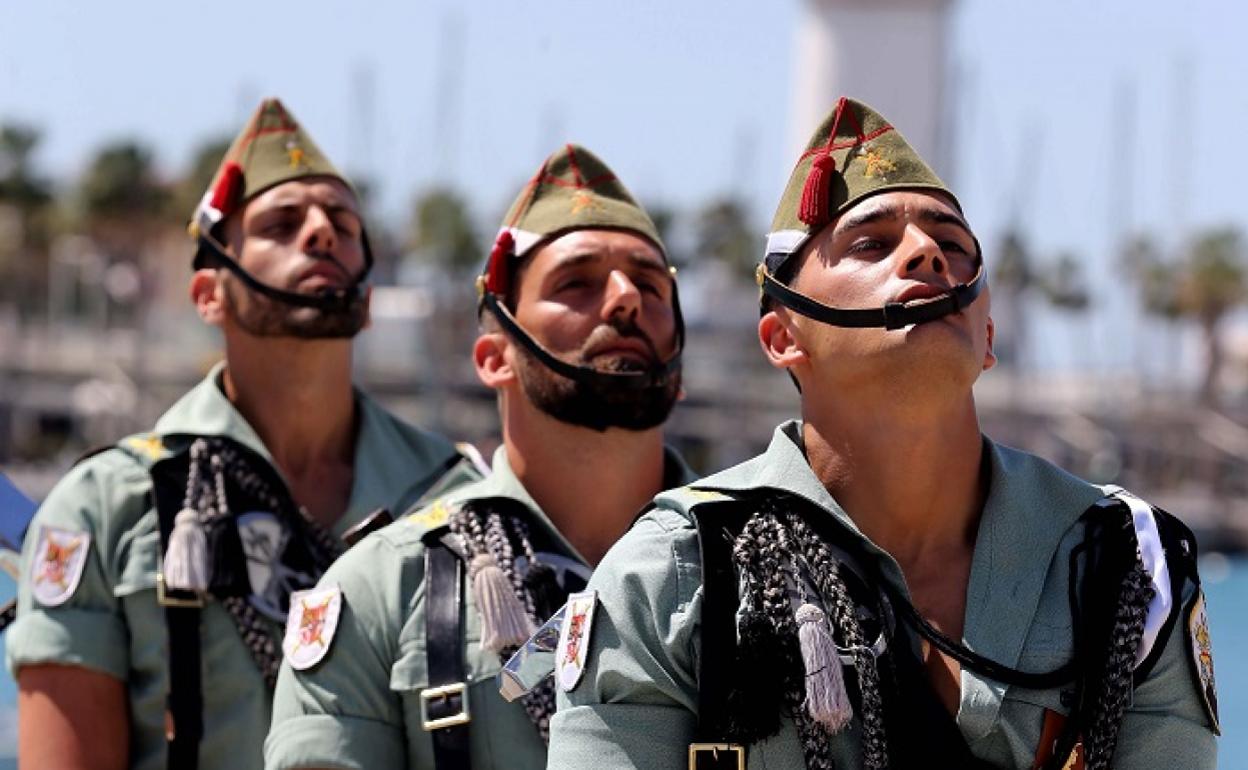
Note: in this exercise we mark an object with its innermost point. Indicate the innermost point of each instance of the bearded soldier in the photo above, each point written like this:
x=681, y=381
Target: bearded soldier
x=581, y=337
x=158, y=573
x=884, y=586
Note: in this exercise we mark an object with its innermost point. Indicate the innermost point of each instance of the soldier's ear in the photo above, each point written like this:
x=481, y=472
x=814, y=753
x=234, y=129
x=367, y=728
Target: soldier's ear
x=493, y=365
x=990, y=358
x=779, y=344
x=208, y=295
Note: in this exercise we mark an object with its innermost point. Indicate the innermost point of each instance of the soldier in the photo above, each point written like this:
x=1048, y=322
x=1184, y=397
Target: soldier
x=581, y=337
x=885, y=586
x=158, y=573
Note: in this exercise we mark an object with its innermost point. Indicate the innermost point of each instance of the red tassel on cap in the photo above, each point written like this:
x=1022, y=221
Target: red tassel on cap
x=815, y=193
x=497, y=270
x=228, y=188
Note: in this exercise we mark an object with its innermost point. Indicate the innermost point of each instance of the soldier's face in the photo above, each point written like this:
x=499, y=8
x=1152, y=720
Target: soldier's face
x=894, y=247
x=303, y=236
x=598, y=298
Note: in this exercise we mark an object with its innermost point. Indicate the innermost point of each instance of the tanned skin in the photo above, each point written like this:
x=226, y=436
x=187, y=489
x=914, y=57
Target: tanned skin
x=590, y=483
x=296, y=393
x=890, y=426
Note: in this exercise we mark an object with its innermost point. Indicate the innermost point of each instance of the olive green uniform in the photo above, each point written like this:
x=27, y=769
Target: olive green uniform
x=359, y=707
x=112, y=623
x=636, y=703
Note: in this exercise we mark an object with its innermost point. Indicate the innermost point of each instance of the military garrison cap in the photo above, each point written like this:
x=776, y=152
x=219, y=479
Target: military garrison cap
x=572, y=190
x=271, y=149
x=855, y=153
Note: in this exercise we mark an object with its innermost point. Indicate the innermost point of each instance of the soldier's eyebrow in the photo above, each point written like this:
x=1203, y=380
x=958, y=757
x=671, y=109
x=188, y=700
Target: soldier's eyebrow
x=870, y=216
x=942, y=217
x=639, y=258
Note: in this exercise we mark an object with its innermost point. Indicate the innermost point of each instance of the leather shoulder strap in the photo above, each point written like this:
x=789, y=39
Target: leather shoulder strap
x=446, y=698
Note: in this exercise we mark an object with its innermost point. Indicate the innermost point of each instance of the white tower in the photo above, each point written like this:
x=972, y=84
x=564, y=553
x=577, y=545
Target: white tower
x=890, y=54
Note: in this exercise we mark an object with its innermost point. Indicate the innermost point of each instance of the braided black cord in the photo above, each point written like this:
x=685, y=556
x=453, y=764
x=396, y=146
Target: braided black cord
x=485, y=531
x=826, y=572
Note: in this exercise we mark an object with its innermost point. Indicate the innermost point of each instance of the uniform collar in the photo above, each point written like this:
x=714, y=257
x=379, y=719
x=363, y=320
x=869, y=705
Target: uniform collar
x=502, y=482
x=389, y=456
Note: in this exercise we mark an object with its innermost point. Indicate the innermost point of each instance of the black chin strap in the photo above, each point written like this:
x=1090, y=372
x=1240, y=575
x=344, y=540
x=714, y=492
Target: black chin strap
x=211, y=254
x=656, y=376
x=894, y=315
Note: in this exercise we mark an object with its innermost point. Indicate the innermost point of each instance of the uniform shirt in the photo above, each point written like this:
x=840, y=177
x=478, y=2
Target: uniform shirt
x=359, y=707
x=112, y=623
x=636, y=703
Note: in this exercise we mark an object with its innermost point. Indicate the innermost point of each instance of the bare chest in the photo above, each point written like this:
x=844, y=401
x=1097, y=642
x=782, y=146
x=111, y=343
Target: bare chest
x=940, y=597
x=324, y=491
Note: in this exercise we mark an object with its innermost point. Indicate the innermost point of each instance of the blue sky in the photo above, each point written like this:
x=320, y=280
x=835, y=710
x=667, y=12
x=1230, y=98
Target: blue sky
x=687, y=100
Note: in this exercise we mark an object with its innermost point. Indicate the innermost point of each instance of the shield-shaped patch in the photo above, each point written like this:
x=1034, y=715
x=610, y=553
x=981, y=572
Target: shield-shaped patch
x=60, y=556
x=1201, y=648
x=310, y=626
x=574, y=639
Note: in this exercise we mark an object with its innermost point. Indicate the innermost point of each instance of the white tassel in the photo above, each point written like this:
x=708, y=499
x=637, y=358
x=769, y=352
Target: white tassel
x=504, y=622
x=826, y=698
x=186, y=561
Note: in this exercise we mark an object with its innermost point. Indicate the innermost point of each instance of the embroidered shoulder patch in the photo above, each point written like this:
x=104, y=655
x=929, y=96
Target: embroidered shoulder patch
x=1201, y=648
x=574, y=639
x=60, y=556
x=310, y=626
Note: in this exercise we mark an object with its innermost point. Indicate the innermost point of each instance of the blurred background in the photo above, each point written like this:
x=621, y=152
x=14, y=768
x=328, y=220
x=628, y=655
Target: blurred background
x=1093, y=146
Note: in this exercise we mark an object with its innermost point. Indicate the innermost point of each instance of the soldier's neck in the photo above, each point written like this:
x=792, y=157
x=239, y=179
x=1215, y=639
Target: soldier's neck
x=297, y=396
x=590, y=484
x=911, y=478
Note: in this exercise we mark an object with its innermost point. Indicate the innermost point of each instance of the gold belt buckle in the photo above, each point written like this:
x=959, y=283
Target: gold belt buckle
x=165, y=600
x=442, y=693
x=697, y=750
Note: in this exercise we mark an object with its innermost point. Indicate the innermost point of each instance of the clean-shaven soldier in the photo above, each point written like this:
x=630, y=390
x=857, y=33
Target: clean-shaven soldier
x=885, y=586
x=158, y=573
x=581, y=337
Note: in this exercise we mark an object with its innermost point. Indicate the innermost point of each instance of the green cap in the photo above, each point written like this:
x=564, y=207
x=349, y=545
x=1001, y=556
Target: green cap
x=572, y=190
x=272, y=148
x=855, y=153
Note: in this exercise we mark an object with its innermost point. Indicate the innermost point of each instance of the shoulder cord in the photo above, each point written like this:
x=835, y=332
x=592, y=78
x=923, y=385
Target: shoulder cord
x=826, y=572
x=1103, y=689
x=768, y=552
x=485, y=531
x=206, y=493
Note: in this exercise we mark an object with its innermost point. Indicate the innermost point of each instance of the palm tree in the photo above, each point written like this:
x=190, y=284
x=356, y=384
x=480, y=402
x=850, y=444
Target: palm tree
x=28, y=198
x=1212, y=283
x=1204, y=285
x=442, y=232
x=723, y=232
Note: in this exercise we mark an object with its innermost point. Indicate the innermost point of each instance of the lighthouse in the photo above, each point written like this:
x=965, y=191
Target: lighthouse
x=891, y=54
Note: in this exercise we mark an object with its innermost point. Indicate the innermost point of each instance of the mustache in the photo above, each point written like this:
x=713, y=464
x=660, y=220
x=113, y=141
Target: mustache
x=615, y=330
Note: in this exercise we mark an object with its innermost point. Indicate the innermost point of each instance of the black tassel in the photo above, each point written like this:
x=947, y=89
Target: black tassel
x=543, y=587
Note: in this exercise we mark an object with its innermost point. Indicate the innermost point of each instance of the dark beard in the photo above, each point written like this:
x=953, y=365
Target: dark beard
x=261, y=316
x=594, y=405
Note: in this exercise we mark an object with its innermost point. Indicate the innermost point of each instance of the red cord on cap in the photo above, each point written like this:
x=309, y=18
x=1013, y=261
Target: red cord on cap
x=228, y=188
x=497, y=269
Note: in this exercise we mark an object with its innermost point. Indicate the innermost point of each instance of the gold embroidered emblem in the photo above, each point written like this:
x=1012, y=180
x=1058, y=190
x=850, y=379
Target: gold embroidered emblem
x=583, y=201
x=877, y=164
x=151, y=445
x=433, y=516
x=296, y=155
x=705, y=494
